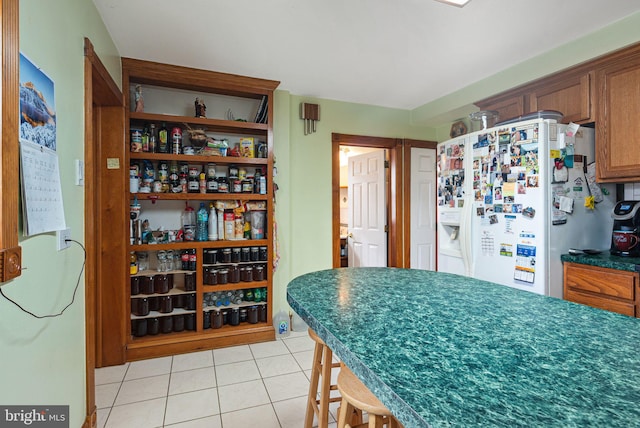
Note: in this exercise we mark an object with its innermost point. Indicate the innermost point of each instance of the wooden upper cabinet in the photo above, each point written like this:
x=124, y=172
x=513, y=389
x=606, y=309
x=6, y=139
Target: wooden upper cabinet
x=618, y=120
x=570, y=95
x=508, y=107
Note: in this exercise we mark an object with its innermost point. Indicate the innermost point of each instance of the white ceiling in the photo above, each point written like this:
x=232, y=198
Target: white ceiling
x=392, y=53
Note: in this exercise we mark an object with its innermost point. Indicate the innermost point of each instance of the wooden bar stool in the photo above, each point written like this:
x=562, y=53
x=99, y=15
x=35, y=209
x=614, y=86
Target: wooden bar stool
x=322, y=365
x=356, y=396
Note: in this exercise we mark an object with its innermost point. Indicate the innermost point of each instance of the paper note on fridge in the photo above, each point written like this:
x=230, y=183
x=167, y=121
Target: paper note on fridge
x=566, y=204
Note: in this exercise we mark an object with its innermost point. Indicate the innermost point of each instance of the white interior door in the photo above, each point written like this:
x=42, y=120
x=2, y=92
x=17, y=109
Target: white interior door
x=367, y=241
x=423, y=209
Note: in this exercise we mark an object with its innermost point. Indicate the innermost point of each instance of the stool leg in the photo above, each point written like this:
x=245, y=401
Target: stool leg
x=313, y=387
x=325, y=388
x=376, y=421
x=346, y=409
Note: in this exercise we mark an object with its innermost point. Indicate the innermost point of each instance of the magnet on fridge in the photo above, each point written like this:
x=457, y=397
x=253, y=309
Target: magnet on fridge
x=529, y=212
x=568, y=159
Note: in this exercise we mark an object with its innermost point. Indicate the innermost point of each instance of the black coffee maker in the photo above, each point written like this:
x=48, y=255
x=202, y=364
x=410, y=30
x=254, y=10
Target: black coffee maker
x=625, y=237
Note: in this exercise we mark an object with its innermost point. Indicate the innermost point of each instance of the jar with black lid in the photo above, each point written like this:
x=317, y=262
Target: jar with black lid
x=153, y=326
x=246, y=274
x=235, y=255
x=166, y=324
x=154, y=303
x=226, y=255
x=135, y=285
x=254, y=254
x=243, y=314
x=258, y=273
x=178, y=323
x=252, y=314
x=190, y=281
x=234, y=316
x=223, y=276
x=245, y=255
x=166, y=304
x=140, y=306
x=190, y=321
x=262, y=254
x=146, y=285
x=206, y=324
x=234, y=274
x=223, y=185
x=179, y=300
x=139, y=328
x=262, y=313
x=216, y=318
x=190, y=302
x=161, y=284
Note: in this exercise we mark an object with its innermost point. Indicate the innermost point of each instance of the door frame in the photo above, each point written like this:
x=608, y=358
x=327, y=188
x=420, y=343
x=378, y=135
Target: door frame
x=100, y=92
x=406, y=164
x=395, y=255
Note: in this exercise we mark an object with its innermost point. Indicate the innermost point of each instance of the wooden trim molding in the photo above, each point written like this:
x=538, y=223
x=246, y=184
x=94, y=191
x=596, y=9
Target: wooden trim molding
x=394, y=251
x=10, y=251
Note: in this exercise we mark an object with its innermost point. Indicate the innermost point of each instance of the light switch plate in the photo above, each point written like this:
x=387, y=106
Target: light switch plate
x=79, y=172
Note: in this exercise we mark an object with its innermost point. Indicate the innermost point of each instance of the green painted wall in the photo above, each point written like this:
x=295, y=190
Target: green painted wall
x=43, y=360
x=303, y=201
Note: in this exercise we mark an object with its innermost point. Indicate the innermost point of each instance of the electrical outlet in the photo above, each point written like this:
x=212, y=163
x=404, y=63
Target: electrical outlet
x=61, y=236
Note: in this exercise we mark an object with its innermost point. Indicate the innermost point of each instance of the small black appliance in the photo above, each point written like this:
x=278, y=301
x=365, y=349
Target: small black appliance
x=626, y=229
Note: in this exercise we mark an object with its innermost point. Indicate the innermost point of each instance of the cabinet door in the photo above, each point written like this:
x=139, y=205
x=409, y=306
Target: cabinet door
x=571, y=96
x=507, y=108
x=618, y=120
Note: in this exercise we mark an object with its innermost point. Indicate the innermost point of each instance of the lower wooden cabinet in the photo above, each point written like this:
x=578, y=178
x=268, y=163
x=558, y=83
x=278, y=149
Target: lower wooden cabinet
x=609, y=289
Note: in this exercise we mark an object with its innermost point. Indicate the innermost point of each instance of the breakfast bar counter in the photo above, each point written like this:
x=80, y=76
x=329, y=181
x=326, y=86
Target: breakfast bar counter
x=446, y=350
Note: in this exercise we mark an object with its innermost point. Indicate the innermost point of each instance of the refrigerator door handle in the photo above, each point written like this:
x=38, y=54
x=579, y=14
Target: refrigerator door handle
x=465, y=236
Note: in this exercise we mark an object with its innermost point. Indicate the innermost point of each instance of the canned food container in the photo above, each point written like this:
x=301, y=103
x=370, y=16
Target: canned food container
x=153, y=326
x=139, y=328
x=161, y=284
x=140, y=306
x=234, y=316
x=245, y=254
x=226, y=255
x=179, y=300
x=178, y=323
x=190, y=302
x=154, y=303
x=207, y=321
x=252, y=314
x=234, y=274
x=146, y=285
x=135, y=285
x=190, y=321
x=166, y=324
x=190, y=281
x=136, y=140
x=216, y=318
x=166, y=304
x=258, y=273
x=235, y=255
x=223, y=276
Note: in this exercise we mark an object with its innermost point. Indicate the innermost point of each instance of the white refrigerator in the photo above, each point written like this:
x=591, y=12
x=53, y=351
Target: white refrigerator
x=512, y=199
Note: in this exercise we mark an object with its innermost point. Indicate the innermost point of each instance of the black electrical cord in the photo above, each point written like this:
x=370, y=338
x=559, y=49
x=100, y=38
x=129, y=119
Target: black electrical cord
x=73, y=298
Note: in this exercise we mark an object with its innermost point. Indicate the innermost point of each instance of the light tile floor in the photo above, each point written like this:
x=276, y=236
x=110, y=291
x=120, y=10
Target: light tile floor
x=263, y=385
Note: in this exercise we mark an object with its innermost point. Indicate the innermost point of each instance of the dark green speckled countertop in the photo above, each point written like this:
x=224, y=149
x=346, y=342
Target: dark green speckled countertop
x=605, y=260
x=443, y=350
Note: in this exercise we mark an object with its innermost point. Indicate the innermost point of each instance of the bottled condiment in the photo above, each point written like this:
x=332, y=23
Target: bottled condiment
x=193, y=185
x=223, y=185
x=229, y=225
x=163, y=175
x=152, y=138
x=202, y=182
x=174, y=178
x=213, y=223
x=163, y=139
x=212, y=183
x=176, y=141
x=233, y=171
x=145, y=139
x=133, y=263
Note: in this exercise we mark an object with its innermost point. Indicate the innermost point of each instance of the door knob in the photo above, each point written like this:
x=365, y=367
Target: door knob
x=350, y=235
